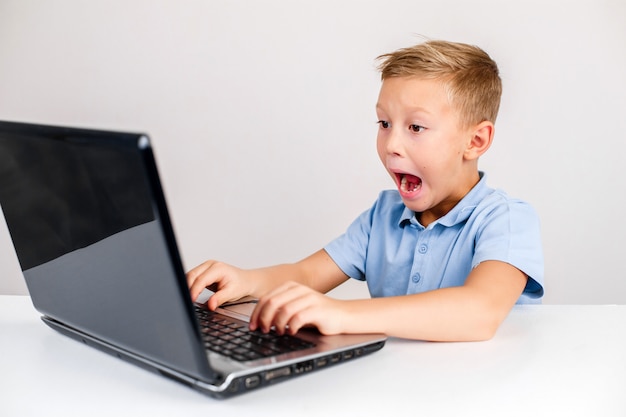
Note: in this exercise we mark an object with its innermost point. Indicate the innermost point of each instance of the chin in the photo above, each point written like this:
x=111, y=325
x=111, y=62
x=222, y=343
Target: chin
x=413, y=205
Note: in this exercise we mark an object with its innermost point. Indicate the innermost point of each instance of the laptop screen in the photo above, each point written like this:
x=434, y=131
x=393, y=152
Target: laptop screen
x=89, y=223
x=63, y=194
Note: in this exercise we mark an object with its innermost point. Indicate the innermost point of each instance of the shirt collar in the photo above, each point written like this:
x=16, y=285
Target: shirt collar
x=459, y=213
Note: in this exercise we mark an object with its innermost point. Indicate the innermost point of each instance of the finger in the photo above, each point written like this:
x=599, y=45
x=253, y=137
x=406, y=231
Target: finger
x=262, y=306
x=197, y=271
x=220, y=297
x=291, y=316
x=270, y=310
x=317, y=311
x=298, y=321
x=205, y=279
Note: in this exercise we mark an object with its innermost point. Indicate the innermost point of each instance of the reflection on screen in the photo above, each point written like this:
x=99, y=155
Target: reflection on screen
x=62, y=195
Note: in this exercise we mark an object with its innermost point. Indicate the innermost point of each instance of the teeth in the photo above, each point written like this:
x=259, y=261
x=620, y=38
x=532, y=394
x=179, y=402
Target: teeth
x=406, y=186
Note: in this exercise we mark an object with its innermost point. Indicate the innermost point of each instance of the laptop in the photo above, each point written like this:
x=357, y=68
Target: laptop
x=91, y=230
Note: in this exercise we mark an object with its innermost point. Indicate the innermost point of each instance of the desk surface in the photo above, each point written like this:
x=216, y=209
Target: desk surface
x=545, y=360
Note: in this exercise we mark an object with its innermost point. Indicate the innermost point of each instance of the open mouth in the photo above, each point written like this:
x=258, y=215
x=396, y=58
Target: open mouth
x=409, y=183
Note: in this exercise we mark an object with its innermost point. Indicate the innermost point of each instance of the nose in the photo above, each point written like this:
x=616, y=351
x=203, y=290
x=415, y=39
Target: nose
x=393, y=142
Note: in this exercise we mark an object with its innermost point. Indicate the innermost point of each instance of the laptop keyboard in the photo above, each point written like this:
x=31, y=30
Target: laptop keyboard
x=234, y=339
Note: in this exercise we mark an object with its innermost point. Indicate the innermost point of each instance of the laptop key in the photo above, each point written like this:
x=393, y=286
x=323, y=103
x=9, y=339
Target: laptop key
x=234, y=339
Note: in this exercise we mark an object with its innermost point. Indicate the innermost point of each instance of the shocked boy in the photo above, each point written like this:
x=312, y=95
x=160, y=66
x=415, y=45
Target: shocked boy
x=445, y=257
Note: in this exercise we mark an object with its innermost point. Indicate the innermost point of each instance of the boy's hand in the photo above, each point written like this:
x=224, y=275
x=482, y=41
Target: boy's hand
x=292, y=306
x=225, y=280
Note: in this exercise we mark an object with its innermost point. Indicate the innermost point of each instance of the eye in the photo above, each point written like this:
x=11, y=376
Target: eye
x=416, y=128
x=383, y=124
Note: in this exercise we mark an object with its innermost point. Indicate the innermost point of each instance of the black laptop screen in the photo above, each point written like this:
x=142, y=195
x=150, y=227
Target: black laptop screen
x=91, y=230
x=61, y=195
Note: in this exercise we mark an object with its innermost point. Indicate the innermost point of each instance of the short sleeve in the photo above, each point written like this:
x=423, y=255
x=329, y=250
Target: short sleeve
x=511, y=233
x=349, y=251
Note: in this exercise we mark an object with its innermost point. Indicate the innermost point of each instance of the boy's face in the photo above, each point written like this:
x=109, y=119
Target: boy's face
x=422, y=146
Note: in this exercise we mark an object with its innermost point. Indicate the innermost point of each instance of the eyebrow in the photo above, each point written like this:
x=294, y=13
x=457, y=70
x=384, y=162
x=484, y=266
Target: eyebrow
x=411, y=110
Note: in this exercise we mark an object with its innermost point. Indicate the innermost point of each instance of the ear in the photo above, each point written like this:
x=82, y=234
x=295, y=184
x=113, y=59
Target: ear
x=481, y=136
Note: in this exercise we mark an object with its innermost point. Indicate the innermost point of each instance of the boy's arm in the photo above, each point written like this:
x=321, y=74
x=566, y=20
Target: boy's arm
x=470, y=312
x=229, y=283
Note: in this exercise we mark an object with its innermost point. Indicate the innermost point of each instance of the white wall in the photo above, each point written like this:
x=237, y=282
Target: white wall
x=262, y=114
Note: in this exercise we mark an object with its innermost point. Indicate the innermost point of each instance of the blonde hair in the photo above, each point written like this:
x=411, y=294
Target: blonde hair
x=470, y=77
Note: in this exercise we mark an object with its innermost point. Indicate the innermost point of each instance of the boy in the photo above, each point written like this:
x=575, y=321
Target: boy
x=445, y=257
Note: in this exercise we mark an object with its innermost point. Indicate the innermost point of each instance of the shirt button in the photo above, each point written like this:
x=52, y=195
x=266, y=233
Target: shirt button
x=423, y=248
x=416, y=278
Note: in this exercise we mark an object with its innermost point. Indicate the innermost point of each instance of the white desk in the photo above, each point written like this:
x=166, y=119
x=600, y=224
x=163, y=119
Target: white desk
x=544, y=361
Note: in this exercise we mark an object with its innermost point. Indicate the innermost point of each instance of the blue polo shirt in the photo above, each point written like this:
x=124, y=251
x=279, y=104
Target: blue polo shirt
x=387, y=247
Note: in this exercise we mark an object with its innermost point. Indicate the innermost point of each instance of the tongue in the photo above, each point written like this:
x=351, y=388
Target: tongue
x=412, y=180
x=410, y=183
